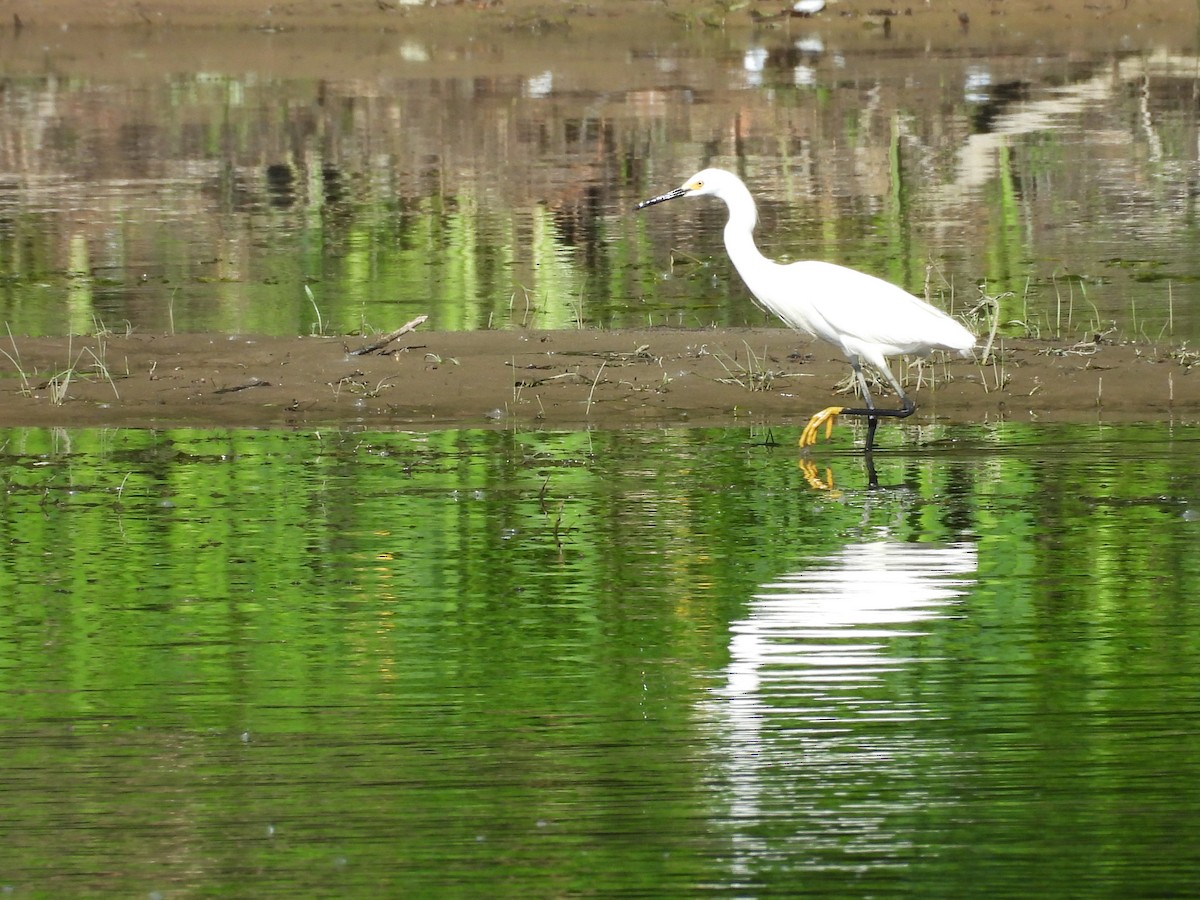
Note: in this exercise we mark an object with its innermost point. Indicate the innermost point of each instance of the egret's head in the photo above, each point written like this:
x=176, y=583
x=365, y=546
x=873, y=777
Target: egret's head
x=708, y=181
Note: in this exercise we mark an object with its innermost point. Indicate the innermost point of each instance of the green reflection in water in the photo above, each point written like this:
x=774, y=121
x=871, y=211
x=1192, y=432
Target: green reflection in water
x=210, y=200
x=494, y=661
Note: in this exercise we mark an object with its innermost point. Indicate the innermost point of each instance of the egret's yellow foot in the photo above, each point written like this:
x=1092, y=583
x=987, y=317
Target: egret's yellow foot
x=826, y=417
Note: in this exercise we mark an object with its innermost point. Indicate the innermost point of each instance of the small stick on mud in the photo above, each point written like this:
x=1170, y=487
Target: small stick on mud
x=389, y=337
x=252, y=383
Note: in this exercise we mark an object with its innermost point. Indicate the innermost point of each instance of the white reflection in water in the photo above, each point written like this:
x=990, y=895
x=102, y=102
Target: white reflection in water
x=804, y=76
x=978, y=83
x=414, y=52
x=754, y=61
x=979, y=158
x=540, y=86
x=820, y=707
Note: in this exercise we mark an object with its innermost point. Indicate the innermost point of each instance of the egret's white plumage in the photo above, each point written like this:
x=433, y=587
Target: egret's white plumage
x=865, y=317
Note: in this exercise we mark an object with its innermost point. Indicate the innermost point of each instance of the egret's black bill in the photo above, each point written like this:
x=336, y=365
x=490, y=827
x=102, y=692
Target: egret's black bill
x=670, y=195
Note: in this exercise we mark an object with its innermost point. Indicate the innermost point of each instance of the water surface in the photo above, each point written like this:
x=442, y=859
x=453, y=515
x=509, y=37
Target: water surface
x=490, y=183
x=514, y=663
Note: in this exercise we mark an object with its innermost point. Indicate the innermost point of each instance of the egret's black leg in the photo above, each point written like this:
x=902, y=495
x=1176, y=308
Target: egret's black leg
x=872, y=421
x=907, y=408
x=828, y=416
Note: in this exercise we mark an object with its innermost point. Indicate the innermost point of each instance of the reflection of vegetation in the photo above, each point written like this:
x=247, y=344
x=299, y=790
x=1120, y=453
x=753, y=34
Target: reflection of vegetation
x=1007, y=250
x=211, y=199
x=467, y=512
x=445, y=635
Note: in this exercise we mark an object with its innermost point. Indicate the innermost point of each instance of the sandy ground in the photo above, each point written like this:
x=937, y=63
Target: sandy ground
x=933, y=18
x=556, y=379
x=355, y=38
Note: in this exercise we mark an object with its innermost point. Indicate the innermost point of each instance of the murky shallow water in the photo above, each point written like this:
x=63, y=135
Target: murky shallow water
x=493, y=185
x=649, y=662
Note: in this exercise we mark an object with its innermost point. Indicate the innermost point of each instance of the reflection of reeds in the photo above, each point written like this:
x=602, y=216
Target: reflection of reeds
x=559, y=526
x=1169, y=327
x=364, y=192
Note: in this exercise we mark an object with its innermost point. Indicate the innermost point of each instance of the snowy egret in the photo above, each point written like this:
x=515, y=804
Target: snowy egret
x=807, y=7
x=865, y=317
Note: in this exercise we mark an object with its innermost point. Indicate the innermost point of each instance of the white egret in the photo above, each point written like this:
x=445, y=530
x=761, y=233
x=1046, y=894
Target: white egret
x=865, y=317
x=807, y=7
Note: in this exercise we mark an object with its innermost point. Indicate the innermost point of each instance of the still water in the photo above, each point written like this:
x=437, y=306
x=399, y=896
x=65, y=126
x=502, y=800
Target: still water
x=491, y=183
x=660, y=663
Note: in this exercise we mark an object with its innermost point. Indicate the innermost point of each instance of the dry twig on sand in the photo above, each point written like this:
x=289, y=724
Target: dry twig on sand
x=375, y=346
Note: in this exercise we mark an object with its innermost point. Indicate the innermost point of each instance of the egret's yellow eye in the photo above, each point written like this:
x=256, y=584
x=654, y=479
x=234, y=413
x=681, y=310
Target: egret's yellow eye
x=696, y=185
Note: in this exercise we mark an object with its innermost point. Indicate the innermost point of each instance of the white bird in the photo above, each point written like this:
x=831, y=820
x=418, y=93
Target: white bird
x=807, y=7
x=865, y=317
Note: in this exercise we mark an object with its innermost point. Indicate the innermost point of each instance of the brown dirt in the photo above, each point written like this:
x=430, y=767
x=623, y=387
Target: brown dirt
x=556, y=379
x=933, y=19
x=356, y=38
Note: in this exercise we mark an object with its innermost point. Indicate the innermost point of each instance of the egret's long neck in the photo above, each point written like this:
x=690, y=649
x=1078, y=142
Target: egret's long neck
x=739, y=232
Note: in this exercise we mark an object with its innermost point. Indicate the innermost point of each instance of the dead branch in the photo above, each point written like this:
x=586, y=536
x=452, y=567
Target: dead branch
x=389, y=337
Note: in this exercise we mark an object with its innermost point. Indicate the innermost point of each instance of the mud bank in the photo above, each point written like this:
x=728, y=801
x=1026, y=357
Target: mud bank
x=306, y=38
x=556, y=379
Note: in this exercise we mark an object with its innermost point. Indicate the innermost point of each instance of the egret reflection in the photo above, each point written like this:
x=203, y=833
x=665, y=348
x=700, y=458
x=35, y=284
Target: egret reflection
x=821, y=706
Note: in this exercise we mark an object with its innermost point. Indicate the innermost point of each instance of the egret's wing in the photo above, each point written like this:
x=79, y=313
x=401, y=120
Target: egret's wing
x=853, y=309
